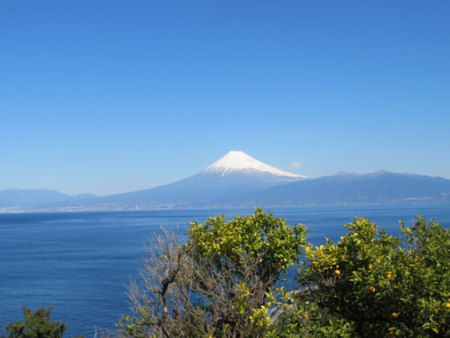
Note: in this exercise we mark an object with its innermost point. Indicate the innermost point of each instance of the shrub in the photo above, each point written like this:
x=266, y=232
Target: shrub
x=36, y=325
x=381, y=284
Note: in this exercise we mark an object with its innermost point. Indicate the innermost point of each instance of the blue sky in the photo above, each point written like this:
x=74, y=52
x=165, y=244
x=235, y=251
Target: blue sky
x=113, y=96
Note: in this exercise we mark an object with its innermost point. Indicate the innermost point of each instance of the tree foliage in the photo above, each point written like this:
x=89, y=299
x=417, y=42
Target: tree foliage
x=381, y=284
x=260, y=238
x=36, y=325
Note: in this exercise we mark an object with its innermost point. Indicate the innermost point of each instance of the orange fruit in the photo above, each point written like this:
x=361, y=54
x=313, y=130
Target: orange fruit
x=389, y=275
x=372, y=289
x=337, y=272
x=394, y=314
x=378, y=260
x=447, y=305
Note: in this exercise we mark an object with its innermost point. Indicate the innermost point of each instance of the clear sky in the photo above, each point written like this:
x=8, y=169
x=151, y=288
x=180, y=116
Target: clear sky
x=113, y=96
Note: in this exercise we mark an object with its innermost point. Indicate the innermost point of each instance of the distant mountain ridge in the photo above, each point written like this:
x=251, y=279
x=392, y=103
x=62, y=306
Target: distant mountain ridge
x=37, y=198
x=238, y=180
x=380, y=187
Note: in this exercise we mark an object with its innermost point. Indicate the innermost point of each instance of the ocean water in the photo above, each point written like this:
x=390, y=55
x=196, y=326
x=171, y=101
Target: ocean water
x=81, y=263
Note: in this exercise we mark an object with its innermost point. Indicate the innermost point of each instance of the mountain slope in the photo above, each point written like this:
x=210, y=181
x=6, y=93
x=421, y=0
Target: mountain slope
x=235, y=173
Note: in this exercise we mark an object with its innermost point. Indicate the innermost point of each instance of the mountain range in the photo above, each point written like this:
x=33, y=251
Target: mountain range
x=238, y=180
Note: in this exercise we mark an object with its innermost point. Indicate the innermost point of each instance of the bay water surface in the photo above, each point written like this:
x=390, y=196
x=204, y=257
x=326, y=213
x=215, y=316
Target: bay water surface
x=80, y=263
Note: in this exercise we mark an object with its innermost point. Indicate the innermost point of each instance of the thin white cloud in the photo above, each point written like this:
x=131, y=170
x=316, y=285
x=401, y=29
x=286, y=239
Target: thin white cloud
x=296, y=164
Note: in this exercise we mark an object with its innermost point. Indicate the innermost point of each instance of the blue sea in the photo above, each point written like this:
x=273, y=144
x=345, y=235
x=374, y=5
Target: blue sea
x=81, y=263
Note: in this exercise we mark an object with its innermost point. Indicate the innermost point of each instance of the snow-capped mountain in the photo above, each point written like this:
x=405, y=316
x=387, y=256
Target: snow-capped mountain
x=238, y=161
x=233, y=174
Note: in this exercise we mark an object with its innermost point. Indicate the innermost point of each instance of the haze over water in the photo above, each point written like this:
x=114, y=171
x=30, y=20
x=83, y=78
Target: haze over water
x=80, y=263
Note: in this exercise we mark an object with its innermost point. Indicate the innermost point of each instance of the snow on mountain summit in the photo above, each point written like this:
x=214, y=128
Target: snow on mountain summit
x=240, y=161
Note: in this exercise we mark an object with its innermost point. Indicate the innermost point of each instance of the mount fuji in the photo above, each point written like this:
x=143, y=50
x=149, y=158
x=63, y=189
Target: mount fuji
x=233, y=174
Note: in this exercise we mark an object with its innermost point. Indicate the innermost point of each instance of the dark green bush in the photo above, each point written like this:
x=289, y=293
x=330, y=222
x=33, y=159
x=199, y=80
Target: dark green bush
x=36, y=325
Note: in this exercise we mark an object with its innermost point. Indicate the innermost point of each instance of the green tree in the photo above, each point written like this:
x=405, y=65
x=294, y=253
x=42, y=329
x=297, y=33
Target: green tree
x=382, y=285
x=217, y=283
x=36, y=325
x=261, y=238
